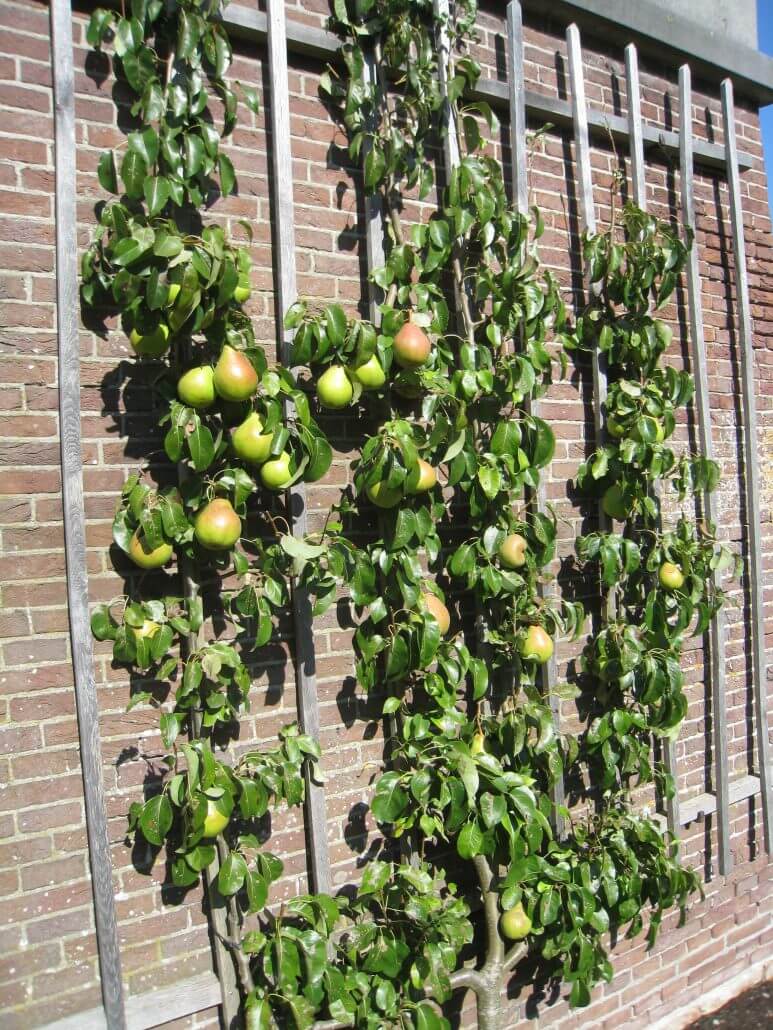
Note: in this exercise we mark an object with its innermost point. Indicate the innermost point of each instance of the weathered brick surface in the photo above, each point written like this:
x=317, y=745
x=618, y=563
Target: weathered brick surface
x=48, y=952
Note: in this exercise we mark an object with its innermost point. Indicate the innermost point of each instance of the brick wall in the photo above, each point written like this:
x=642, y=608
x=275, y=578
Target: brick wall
x=48, y=963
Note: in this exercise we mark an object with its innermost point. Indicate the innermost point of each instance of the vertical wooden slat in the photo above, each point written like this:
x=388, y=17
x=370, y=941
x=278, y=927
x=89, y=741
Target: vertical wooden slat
x=587, y=209
x=636, y=142
x=751, y=462
x=638, y=181
x=286, y=294
x=517, y=106
x=588, y=224
x=374, y=218
x=520, y=187
x=702, y=403
x=67, y=313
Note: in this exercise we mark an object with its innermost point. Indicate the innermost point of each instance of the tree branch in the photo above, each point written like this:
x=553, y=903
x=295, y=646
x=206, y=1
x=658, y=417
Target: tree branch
x=495, y=947
x=514, y=955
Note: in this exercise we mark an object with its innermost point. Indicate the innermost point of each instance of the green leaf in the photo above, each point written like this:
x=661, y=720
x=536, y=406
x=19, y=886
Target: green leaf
x=470, y=841
x=106, y=173
x=232, y=873
x=389, y=799
x=156, y=194
x=156, y=819
x=134, y=172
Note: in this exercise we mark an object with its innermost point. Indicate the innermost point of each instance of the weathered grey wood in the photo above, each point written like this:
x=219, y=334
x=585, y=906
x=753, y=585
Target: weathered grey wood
x=703, y=410
x=751, y=464
x=374, y=219
x=249, y=23
x=740, y=789
x=144, y=1011
x=588, y=224
x=286, y=294
x=520, y=189
x=67, y=314
x=639, y=193
x=517, y=106
x=635, y=137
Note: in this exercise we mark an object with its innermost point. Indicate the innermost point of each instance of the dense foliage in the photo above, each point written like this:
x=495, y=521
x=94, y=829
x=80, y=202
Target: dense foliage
x=449, y=566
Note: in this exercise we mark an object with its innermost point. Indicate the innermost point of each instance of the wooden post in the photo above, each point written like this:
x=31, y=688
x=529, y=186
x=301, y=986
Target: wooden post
x=67, y=314
x=751, y=464
x=588, y=225
x=703, y=408
x=520, y=187
x=286, y=294
x=639, y=185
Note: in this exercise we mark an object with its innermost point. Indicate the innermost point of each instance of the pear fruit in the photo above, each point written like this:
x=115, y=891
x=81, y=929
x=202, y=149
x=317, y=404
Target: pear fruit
x=515, y=924
x=371, y=375
x=536, y=646
x=512, y=551
x=334, y=388
x=151, y=345
x=276, y=474
x=421, y=479
x=217, y=526
x=147, y=557
x=196, y=387
x=411, y=346
x=438, y=611
x=249, y=442
x=235, y=378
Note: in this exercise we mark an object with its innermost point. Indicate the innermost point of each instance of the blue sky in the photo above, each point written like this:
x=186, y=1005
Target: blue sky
x=765, y=31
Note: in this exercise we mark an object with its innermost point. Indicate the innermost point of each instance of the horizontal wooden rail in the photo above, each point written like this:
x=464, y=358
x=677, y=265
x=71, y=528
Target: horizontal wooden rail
x=247, y=23
x=144, y=1011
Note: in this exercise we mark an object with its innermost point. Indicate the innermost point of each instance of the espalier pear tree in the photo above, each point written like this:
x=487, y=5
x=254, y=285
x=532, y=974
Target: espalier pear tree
x=451, y=553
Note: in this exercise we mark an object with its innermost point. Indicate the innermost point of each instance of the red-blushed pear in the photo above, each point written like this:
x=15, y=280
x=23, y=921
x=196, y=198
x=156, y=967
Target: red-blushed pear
x=217, y=526
x=536, y=645
x=334, y=388
x=438, y=611
x=215, y=821
x=421, y=479
x=148, y=557
x=151, y=345
x=196, y=387
x=512, y=551
x=371, y=376
x=276, y=474
x=614, y=504
x=235, y=378
x=249, y=442
x=671, y=576
x=515, y=924
x=411, y=346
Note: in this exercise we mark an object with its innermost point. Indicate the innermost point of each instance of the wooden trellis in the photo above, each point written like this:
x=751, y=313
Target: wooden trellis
x=144, y=1011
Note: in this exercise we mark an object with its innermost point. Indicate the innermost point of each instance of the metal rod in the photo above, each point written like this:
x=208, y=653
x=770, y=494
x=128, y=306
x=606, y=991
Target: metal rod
x=751, y=464
x=703, y=407
x=67, y=314
x=286, y=294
